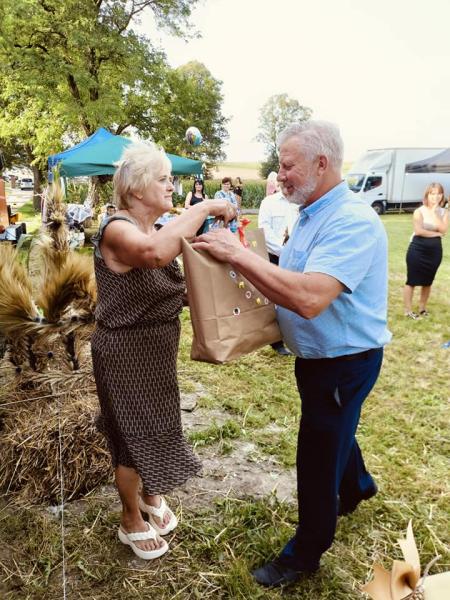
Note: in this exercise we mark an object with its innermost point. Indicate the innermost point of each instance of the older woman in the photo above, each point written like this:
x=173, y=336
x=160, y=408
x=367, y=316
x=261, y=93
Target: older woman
x=425, y=250
x=135, y=344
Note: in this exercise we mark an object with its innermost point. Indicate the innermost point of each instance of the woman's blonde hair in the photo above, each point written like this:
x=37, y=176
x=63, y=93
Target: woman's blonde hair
x=139, y=165
x=428, y=191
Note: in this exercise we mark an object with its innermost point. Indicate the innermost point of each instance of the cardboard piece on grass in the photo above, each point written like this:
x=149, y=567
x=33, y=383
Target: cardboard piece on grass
x=403, y=582
x=229, y=316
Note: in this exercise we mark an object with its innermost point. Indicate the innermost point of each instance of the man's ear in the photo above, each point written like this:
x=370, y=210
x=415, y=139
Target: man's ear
x=322, y=164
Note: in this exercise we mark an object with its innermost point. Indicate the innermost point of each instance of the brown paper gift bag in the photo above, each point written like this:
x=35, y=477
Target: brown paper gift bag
x=229, y=316
x=403, y=581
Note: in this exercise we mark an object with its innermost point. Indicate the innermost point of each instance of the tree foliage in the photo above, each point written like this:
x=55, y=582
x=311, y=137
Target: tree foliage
x=195, y=97
x=272, y=163
x=278, y=112
x=71, y=66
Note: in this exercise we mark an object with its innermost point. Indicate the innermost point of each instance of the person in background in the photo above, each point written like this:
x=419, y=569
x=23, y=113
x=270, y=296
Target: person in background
x=196, y=195
x=272, y=184
x=226, y=194
x=110, y=211
x=424, y=253
x=330, y=290
x=277, y=217
x=178, y=186
x=238, y=190
x=135, y=343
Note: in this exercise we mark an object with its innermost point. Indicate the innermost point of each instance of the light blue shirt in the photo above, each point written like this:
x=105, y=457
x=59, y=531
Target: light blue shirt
x=342, y=236
x=223, y=195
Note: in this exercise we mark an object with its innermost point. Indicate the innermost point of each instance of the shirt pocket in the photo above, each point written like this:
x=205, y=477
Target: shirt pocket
x=298, y=260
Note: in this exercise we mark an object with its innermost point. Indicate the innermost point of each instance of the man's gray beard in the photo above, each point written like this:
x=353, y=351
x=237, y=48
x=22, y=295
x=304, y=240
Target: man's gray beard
x=302, y=195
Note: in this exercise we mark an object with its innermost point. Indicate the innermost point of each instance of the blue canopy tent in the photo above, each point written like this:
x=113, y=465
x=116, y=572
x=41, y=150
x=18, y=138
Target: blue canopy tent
x=97, y=154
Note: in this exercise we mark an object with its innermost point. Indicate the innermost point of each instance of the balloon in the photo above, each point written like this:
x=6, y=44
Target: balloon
x=193, y=136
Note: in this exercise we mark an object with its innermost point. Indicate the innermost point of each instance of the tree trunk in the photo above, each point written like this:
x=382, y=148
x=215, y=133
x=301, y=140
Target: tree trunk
x=93, y=191
x=37, y=191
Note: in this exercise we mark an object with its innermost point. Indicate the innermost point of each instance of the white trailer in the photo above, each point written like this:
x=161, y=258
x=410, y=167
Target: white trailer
x=395, y=178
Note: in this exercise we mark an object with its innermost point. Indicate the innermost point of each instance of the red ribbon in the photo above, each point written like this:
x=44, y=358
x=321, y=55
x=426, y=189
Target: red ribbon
x=244, y=222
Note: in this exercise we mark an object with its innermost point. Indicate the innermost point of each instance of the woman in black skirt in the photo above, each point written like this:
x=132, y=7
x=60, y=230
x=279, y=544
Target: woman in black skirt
x=425, y=250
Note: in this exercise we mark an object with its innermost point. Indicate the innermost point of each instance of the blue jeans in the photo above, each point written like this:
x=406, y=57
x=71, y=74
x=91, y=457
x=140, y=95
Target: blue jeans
x=329, y=461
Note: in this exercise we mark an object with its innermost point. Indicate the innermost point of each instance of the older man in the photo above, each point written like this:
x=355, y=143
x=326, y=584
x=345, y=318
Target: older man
x=331, y=292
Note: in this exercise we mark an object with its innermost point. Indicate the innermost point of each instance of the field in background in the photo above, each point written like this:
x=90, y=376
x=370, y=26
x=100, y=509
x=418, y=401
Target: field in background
x=244, y=170
x=248, y=170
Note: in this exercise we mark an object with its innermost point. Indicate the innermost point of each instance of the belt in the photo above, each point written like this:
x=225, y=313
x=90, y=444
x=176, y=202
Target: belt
x=364, y=355
x=360, y=355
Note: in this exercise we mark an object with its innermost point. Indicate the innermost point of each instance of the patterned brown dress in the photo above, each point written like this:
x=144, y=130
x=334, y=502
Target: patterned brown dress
x=134, y=351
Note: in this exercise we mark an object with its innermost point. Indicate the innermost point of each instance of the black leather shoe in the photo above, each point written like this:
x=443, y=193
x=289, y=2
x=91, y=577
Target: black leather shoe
x=347, y=509
x=278, y=572
x=283, y=351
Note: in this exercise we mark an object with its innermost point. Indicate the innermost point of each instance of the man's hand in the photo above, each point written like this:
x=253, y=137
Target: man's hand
x=221, y=244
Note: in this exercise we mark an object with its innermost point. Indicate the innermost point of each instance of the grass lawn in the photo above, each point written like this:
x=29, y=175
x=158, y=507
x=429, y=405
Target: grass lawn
x=30, y=216
x=403, y=433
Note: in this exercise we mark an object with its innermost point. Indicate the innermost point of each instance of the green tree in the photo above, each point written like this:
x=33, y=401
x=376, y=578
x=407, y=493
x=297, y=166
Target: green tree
x=272, y=163
x=194, y=98
x=71, y=66
x=275, y=115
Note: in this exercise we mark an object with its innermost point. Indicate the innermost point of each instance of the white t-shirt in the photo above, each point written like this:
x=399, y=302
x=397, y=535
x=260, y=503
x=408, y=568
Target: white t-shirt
x=276, y=215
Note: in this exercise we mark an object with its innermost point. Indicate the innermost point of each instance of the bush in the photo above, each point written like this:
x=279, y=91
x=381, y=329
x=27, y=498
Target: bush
x=76, y=193
x=271, y=164
x=253, y=193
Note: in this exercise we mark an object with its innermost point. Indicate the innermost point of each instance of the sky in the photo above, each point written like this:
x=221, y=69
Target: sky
x=378, y=69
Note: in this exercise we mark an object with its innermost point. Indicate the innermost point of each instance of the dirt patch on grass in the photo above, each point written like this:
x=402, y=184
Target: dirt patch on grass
x=234, y=468
x=243, y=473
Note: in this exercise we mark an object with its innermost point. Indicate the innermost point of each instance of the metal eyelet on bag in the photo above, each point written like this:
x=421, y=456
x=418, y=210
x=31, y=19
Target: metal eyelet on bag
x=266, y=301
x=236, y=311
x=248, y=294
x=233, y=274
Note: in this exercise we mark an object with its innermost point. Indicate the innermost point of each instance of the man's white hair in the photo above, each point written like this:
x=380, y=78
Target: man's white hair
x=316, y=138
x=139, y=165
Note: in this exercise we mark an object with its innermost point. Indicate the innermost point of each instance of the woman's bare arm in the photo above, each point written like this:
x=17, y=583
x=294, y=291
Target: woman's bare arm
x=443, y=222
x=419, y=228
x=123, y=245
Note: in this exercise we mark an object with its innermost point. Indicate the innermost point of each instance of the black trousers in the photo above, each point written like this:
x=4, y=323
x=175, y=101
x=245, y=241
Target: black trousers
x=329, y=460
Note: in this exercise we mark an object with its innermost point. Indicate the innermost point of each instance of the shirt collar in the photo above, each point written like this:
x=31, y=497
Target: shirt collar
x=332, y=196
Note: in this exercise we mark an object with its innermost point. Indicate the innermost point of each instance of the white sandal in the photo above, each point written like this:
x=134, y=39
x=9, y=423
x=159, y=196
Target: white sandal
x=129, y=538
x=152, y=511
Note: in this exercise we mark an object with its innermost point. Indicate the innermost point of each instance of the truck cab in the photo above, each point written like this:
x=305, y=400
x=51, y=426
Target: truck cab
x=370, y=187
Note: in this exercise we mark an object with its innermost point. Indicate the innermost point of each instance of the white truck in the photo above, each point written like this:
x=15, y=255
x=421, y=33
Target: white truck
x=396, y=178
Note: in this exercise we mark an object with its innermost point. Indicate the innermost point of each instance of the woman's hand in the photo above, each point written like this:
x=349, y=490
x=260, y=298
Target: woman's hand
x=220, y=243
x=221, y=209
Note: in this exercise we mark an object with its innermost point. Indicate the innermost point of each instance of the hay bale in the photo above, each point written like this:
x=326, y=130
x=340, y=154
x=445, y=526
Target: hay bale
x=2, y=345
x=29, y=447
